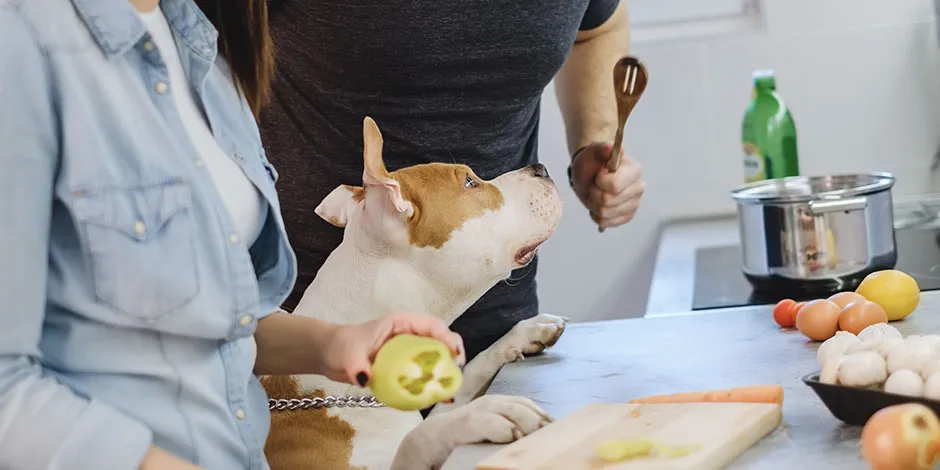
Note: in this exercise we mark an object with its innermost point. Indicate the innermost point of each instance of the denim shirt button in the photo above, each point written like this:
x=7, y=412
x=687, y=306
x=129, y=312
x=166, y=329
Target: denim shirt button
x=148, y=46
x=161, y=87
x=245, y=320
x=140, y=228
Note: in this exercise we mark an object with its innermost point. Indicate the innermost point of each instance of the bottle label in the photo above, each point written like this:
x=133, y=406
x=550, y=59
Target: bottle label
x=753, y=164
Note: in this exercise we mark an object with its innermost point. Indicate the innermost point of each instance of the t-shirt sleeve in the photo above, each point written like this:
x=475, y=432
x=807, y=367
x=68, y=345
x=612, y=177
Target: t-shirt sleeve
x=597, y=13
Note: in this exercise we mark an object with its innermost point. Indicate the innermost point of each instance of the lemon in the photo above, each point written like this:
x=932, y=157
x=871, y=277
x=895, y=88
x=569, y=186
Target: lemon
x=896, y=292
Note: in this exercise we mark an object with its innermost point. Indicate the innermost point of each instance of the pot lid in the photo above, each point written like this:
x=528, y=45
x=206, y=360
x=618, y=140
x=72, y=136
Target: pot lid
x=808, y=188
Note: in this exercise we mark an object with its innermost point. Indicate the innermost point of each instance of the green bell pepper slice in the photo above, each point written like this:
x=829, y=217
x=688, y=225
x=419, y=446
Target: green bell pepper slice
x=414, y=372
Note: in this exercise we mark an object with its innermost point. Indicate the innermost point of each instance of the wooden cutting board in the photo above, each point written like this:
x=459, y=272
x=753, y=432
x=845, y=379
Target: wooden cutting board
x=724, y=431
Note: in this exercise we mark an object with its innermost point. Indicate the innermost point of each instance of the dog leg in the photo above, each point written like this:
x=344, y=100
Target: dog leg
x=491, y=418
x=530, y=336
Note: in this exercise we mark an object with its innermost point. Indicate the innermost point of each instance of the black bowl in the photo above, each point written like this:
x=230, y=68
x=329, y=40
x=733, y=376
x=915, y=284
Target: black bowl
x=853, y=405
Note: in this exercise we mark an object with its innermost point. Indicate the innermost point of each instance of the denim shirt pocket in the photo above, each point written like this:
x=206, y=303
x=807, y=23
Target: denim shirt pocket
x=139, y=242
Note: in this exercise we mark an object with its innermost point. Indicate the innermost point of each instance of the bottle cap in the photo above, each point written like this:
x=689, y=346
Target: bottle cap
x=764, y=79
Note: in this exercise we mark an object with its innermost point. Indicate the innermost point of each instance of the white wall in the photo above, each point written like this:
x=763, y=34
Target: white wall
x=862, y=79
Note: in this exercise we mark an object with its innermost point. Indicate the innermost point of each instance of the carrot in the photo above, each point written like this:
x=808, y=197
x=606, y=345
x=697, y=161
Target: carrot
x=748, y=394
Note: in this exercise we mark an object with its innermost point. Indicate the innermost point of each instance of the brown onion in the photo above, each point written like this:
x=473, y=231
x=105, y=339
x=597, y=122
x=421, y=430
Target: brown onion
x=902, y=437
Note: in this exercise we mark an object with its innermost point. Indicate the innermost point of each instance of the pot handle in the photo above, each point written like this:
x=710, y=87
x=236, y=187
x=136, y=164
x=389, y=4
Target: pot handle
x=826, y=206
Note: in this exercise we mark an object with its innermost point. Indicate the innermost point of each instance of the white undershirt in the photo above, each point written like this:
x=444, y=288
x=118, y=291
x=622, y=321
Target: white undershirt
x=241, y=198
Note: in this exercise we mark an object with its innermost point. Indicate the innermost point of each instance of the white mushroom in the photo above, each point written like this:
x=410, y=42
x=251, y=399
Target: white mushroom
x=835, y=346
x=932, y=387
x=930, y=367
x=879, y=332
x=830, y=370
x=915, y=339
x=928, y=341
x=905, y=382
x=934, y=340
x=885, y=347
x=912, y=355
x=863, y=369
x=862, y=346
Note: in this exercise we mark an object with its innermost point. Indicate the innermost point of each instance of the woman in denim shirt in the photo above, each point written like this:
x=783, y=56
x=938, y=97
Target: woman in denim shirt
x=142, y=246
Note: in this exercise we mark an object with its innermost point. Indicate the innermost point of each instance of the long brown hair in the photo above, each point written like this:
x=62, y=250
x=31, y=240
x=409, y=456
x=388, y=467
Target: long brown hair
x=245, y=43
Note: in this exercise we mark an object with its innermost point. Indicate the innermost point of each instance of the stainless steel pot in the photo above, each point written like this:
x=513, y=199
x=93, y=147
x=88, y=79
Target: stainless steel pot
x=816, y=234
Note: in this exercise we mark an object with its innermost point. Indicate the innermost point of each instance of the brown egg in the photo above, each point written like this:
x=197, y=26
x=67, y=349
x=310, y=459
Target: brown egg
x=818, y=320
x=843, y=299
x=859, y=315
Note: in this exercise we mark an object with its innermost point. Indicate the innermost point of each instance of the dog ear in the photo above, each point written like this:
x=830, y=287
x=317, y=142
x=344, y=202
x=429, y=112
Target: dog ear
x=372, y=143
x=335, y=206
x=375, y=174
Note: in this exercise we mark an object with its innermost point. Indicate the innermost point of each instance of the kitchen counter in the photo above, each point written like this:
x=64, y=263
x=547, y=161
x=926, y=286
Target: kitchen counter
x=614, y=361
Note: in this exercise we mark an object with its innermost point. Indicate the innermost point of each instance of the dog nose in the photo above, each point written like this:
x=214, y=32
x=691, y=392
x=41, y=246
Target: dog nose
x=540, y=171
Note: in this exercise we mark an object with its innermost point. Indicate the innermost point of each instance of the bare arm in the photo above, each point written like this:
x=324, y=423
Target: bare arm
x=159, y=459
x=291, y=344
x=584, y=85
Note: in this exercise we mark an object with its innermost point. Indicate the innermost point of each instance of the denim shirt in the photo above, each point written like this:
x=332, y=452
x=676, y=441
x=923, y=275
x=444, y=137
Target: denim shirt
x=128, y=302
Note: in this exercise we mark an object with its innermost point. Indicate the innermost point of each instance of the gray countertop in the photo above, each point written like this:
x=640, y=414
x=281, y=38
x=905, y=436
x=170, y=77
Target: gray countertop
x=615, y=361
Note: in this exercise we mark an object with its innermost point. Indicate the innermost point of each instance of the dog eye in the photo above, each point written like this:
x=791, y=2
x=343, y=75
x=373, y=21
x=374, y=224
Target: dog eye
x=470, y=183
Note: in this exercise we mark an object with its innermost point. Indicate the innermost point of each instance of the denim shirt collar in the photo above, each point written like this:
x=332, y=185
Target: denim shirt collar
x=116, y=27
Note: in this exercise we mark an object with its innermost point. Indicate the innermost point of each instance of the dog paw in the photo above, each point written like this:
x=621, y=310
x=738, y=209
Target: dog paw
x=499, y=419
x=538, y=333
x=514, y=355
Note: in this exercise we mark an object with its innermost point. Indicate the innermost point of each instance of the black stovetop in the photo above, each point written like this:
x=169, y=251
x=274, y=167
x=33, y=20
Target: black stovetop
x=719, y=282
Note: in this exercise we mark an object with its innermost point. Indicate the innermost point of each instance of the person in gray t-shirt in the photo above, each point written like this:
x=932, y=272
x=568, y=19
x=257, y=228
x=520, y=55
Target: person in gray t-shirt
x=447, y=80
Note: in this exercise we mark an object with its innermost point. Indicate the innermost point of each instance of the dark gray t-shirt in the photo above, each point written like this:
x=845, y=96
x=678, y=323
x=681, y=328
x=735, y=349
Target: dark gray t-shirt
x=446, y=80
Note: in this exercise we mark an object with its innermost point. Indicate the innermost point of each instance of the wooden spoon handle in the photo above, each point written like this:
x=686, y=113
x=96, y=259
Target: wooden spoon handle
x=616, y=152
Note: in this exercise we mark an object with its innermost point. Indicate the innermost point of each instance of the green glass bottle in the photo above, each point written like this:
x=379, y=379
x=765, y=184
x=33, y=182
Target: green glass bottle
x=768, y=134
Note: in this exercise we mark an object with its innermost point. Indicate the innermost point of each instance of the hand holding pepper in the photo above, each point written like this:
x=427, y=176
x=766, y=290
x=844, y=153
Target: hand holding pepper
x=350, y=350
x=298, y=344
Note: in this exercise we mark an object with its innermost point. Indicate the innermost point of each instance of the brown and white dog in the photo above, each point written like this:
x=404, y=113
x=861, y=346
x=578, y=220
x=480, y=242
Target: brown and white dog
x=427, y=239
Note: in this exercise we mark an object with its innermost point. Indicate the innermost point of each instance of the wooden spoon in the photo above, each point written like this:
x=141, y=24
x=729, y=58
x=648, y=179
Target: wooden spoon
x=630, y=80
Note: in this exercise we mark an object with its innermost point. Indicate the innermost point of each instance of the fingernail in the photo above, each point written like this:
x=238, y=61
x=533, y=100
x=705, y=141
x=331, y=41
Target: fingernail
x=362, y=378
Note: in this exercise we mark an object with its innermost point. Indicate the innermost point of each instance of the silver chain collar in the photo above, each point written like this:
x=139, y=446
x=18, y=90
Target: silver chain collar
x=327, y=402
